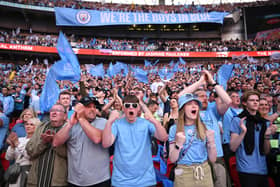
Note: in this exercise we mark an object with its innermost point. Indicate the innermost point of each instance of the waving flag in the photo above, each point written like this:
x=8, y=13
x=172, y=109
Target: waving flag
x=176, y=67
x=120, y=66
x=165, y=74
x=69, y=61
x=182, y=61
x=171, y=63
x=147, y=63
x=67, y=68
x=224, y=74
x=110, y=70
x=97, y=71
x=141, y=75
x=155, y=62
x=50, y=92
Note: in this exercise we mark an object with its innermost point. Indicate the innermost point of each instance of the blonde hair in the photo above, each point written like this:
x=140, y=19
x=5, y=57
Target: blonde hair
x=26, y=110
x=34, y=121
x=200, y=126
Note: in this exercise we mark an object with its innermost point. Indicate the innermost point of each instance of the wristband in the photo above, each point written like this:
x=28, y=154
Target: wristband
x=215, y=84
x=177, y=147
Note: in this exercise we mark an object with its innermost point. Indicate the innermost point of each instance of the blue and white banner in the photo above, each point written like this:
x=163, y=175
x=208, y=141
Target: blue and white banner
x=78, y=17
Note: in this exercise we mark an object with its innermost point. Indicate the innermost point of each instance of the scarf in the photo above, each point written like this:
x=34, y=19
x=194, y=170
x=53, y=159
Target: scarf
x=251, y=124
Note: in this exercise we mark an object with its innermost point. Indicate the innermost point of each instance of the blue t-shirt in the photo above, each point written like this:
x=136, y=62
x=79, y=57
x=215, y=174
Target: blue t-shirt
x=254, y=163
x=19, y=105
x=227, y=119
x=3, y=129
x=210, y=118
x=196, y=148
x=133, y=164
x=19, y=129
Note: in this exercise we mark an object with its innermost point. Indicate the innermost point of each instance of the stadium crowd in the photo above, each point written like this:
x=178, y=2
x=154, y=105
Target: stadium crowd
x=192, y=8
x=182, y=124
x=131, y=7
x=116, y=101
x=16, y=37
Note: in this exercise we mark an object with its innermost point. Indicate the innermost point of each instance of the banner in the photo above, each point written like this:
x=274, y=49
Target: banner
x=167, y=54
x=77, y=17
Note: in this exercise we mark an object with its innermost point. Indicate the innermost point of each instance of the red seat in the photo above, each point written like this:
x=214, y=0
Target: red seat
x=233, y=172
x=5, y=163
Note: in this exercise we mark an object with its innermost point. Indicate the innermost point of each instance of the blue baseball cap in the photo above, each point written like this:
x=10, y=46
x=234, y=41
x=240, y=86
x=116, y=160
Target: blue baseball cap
x=187, y=98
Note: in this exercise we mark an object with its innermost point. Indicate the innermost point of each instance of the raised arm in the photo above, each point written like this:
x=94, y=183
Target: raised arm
x=179, y=143
x=107, y=136
x=160, y=133
x=162, y=94
x=224, y=100
x=193, y=87
x=63, y=134
x=92, y=132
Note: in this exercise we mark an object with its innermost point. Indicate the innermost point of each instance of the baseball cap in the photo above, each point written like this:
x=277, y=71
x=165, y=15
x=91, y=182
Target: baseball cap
x=88, y=100
x=187, y=98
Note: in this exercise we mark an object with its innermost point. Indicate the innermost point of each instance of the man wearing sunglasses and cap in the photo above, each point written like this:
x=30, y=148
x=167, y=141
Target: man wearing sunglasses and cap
x=88, y=161
x=132, y=165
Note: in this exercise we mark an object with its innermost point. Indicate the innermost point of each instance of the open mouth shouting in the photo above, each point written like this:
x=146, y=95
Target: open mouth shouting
x=194, y=111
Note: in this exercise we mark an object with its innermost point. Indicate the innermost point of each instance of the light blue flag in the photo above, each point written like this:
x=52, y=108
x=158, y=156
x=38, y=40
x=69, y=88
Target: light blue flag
x=68, y=57
x=63, y=70
x=237, y=66
x=110, y=70
x=50, y=92
x=182, y=61
x=224, y=74
x=119, y=66
x=176, y=67
x=68, y=68
x=97, y=71
x=141, y=75
x=116, y=69
x=165, y=74
x=171, y=63
x=155, y=62
x=147, y=63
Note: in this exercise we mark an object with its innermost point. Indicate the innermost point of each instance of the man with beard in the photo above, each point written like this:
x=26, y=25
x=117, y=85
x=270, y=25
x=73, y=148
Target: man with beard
x=132, y=165
x=88, y=161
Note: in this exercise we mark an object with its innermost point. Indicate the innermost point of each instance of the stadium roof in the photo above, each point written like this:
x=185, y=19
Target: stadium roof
x=175, y=2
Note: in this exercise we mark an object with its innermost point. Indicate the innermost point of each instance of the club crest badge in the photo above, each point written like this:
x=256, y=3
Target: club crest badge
x=83, y=17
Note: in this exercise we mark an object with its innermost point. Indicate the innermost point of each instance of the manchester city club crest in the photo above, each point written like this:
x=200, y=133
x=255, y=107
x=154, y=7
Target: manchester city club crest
x=83, y=17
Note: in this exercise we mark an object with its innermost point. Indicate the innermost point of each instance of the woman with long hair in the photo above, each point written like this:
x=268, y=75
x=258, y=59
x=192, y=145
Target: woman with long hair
x=191, y=145
x=16, y=151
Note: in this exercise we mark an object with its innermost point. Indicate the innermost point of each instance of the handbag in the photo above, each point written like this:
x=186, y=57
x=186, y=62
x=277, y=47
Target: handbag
x=12, y=173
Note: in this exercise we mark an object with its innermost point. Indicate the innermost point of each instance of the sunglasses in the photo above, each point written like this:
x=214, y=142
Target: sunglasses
x=128, y=105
